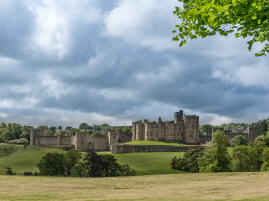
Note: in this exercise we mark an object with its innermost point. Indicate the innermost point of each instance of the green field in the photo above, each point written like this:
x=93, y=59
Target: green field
x=21, y=159
x=24, y=160
x=171, y=187
x=144, y=142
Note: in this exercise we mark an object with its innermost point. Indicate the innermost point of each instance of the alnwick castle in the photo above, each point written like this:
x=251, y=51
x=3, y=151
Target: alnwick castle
x=184, y=129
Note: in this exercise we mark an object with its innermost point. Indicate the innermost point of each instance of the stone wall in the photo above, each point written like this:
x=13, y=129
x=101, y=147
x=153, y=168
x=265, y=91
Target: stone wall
x=124, y=148
x=80, y=141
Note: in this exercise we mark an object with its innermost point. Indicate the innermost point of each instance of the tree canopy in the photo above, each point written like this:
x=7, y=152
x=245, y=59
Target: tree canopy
x=244, y=18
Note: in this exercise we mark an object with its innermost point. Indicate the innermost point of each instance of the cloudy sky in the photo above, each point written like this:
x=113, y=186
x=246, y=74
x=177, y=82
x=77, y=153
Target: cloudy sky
x=95, y=61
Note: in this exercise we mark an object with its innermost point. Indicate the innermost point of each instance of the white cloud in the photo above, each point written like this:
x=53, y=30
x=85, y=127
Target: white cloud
x=52, y=87
x=24, y=103
x=52, y=31
x=253, y=74
x=148, y=23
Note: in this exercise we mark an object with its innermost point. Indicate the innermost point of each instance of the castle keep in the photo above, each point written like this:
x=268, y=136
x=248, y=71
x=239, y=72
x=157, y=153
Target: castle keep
x=184, y=128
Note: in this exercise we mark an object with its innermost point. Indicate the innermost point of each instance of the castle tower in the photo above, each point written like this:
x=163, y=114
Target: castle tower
x=191, y=124
x=178, y=116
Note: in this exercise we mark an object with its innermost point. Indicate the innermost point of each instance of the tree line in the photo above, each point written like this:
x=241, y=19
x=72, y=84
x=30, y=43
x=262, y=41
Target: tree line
x=243, y=157
x=72, y=164
x=20, y=134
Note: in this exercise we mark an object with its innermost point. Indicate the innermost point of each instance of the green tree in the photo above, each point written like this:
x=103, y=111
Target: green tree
x=216, y=157
x=72, y=157
x=189, y=162
x=244, y=18
x=241, y=158
x=239, y=140
x=84, y=126
x=52, y=164
x=263, y=127
x=265, y=157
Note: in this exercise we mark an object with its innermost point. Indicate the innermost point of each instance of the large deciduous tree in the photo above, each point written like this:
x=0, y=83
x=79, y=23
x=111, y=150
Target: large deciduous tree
x=216, y=157
x=245, y=18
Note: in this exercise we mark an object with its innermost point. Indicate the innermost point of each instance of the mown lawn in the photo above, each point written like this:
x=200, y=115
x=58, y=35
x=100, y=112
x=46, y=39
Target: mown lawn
x=170, y=187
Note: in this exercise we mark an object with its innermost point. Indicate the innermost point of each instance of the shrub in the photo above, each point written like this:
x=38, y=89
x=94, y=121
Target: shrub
x=104, y=166
x=28, y=174
x=189, y=162
x=127, y=171
x=36, y=174
x=79, y=170
x=239, y=140
x=19, y=141
x=9, y=171
x=52, y=164
x=174, y=163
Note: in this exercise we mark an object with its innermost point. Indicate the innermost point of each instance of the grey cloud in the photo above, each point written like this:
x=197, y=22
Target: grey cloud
x=156, y=82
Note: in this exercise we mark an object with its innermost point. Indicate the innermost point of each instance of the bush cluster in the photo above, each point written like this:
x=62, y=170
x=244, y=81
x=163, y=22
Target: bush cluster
x=93, y=165
x=215, y=158
x=189, y=162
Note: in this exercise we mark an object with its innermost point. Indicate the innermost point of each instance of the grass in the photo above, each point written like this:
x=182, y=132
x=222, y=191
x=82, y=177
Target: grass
x=24, y=160
x=149, y=163
x=144, y=142
x=187, y=187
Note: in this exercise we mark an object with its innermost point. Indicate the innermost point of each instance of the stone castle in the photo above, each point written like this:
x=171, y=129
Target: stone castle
x=184, y=128
x=81, y=141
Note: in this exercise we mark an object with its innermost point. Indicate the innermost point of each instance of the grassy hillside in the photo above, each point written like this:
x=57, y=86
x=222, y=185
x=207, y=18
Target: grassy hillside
x=186, y=186
x=149, y=163
x=144, y=142
x=22, y=160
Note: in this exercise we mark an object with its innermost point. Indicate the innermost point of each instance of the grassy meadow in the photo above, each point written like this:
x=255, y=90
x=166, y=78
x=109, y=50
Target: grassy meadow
x=170, y=187
x=23, y=160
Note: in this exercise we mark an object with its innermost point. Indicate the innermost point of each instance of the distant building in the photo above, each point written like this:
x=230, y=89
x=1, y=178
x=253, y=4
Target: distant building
x=184, y=128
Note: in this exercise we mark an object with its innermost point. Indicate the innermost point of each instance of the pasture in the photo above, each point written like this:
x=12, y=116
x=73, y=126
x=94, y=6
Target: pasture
x=171, y=187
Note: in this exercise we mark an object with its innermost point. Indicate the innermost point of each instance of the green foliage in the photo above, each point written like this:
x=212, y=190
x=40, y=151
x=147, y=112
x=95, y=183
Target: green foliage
x=262, y=139
x=23, y=141
x=239, y=140
x=241, y=158
x=52, y=164
x=98, y=134
x=243, y=18
x=79, y=170
x=263, y=127
x=84, y=126
x=216, y=157
x=189, y=162
x=265, y=157
x=48, y=132
x=72, y=157
x=104, y=166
